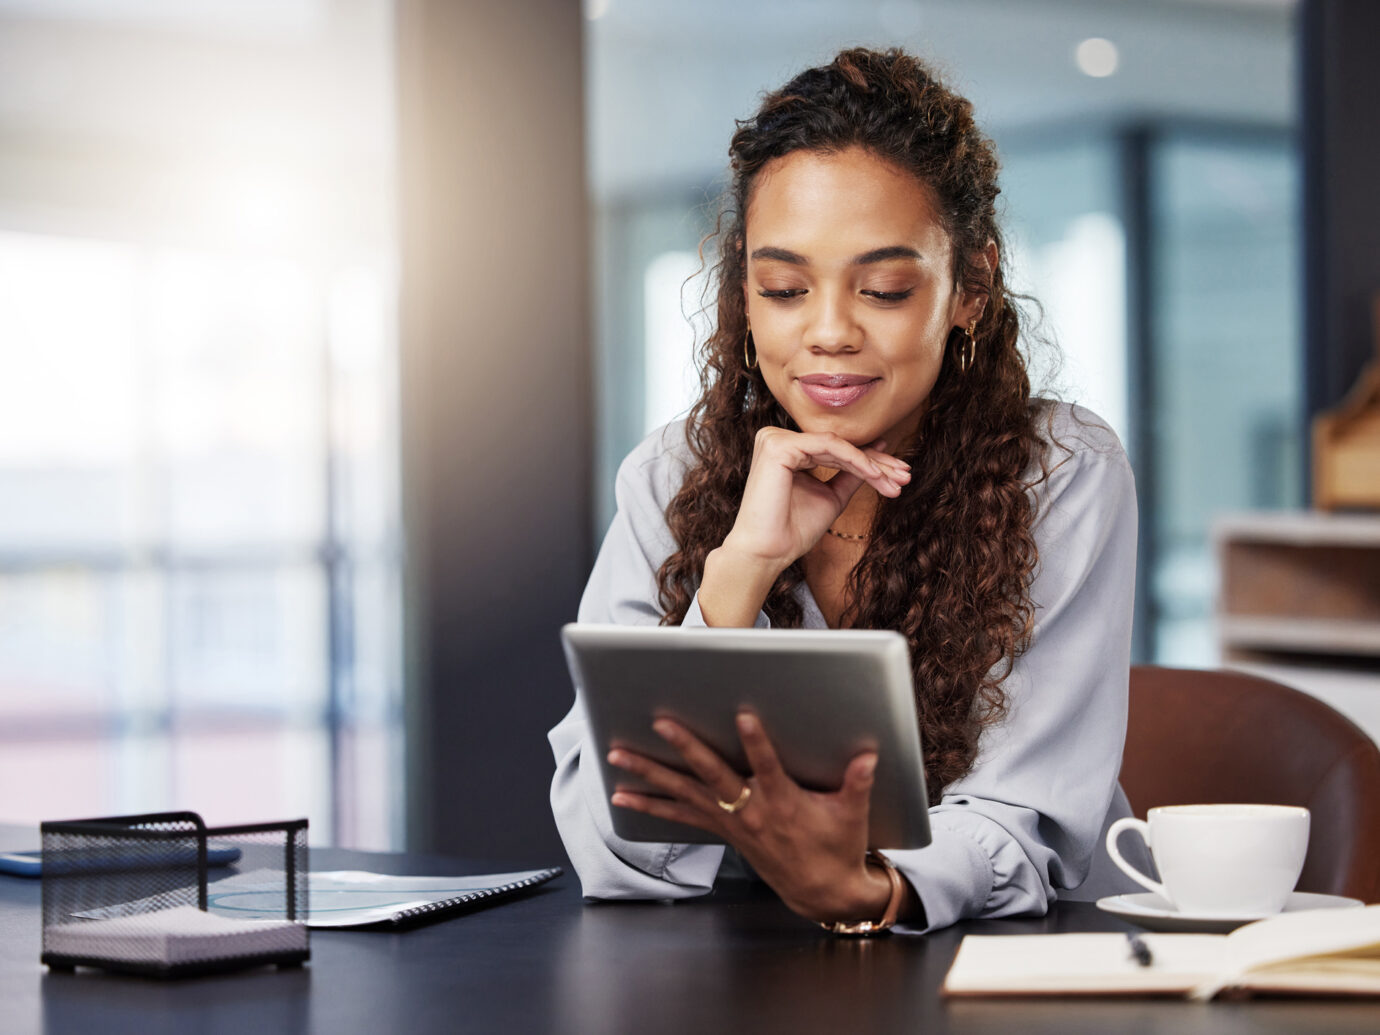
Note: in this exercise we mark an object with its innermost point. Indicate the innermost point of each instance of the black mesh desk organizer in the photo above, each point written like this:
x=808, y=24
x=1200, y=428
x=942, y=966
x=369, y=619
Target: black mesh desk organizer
x=142, y=881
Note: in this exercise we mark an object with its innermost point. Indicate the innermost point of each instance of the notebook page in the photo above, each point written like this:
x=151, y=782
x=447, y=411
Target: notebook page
x=1313, y=932
x=1057, y=963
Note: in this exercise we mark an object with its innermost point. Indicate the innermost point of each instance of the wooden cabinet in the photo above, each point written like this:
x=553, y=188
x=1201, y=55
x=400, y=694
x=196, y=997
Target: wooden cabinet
x=1299, y=602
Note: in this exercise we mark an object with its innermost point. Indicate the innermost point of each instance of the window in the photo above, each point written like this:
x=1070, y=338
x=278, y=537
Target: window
x=197, y=548
x=1227, y=414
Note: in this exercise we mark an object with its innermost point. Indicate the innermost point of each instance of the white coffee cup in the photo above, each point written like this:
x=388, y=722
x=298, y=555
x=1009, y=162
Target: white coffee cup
x=1220, y=860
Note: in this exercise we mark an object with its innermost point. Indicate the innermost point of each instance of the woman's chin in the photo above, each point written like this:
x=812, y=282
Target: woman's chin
x=859, y=433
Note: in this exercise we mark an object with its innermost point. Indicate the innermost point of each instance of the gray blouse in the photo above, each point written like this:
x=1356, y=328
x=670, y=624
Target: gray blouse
x=1027, y=820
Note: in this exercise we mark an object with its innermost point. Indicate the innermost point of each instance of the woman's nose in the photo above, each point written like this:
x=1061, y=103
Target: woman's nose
x=832, y=327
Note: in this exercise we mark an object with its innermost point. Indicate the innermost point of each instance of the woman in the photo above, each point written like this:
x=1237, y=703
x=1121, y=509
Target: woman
x=866, y=452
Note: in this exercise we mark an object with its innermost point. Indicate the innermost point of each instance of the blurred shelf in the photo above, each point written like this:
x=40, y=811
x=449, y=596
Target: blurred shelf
x=1300, y=635
x=1300, y=604
x=1300, y=528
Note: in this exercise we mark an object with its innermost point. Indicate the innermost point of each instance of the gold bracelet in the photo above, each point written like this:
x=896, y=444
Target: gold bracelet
x=867, y=928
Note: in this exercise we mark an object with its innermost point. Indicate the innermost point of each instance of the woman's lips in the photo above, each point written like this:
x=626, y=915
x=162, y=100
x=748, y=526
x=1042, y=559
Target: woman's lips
x=836, y=389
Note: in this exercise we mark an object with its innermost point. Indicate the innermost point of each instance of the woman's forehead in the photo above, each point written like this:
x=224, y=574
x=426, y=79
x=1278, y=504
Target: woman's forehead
x=841, y=200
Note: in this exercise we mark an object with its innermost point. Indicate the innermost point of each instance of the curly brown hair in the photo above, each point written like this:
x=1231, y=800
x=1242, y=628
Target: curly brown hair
x=949, y=562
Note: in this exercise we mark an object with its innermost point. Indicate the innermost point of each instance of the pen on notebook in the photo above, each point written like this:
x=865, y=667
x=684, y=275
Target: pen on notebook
x=1139, y=950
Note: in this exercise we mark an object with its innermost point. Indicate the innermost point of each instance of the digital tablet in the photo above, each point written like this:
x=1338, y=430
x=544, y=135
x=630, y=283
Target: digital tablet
x=823, y=696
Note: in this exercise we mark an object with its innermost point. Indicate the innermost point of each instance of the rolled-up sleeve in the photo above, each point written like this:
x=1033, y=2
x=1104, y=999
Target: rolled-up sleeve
x=1026, y=820
x=622, y=590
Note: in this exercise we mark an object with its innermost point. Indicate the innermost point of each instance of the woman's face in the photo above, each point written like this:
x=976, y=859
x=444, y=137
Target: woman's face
x=850, y=293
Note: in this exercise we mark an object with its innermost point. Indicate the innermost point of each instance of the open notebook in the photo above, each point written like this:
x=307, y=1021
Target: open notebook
x=1317, y=952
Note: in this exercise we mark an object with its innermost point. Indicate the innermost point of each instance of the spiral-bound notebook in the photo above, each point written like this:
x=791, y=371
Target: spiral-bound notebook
x=356, y=898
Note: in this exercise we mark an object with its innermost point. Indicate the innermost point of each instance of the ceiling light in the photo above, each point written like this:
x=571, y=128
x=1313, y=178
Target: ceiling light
x=1097, y=57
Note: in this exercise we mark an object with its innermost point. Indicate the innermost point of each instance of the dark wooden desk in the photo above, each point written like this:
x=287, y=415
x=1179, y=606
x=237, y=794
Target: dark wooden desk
x=737, y=961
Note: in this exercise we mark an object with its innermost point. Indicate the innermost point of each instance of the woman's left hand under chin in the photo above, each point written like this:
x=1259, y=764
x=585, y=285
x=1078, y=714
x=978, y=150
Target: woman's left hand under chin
x=809, y=846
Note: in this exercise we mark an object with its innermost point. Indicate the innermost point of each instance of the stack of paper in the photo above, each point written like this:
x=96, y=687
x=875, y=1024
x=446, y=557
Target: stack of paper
x=169, y=937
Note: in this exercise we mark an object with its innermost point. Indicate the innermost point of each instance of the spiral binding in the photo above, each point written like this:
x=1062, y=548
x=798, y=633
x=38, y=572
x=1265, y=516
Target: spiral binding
x=468, y=898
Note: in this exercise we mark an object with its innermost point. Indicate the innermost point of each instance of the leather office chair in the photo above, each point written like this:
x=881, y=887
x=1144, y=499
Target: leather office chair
x=1216, y=736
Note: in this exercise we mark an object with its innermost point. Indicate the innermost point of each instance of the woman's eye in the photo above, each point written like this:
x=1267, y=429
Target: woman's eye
x=890, y=296
x=781, y=292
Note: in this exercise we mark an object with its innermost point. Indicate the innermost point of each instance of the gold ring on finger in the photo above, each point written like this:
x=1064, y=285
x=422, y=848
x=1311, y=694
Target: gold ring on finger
x=737, y=803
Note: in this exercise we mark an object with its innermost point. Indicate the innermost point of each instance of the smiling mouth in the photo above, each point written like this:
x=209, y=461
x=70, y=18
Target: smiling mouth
x=836, y=390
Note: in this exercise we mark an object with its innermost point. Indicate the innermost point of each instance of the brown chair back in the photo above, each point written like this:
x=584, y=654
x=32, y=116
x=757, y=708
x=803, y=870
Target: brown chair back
x=1214, y=736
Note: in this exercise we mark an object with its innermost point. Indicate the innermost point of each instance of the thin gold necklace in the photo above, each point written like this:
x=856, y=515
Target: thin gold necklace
x=851, y=538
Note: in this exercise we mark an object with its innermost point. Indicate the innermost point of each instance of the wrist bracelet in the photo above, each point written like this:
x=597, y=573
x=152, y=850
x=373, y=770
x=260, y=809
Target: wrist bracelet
x=867, y=928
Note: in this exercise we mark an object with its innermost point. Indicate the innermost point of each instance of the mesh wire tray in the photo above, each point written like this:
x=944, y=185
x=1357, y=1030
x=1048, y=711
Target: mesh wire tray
x=129, y=893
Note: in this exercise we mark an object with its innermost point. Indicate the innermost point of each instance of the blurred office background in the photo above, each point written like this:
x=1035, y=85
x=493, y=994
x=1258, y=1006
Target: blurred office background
x=199, y=531
x=318, y=312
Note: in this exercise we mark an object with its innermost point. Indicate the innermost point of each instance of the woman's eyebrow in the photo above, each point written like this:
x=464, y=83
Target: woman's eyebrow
x=781, y=255
x=895, y=251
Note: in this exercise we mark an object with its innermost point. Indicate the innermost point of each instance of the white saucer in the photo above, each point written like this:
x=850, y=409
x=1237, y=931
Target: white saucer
x=1152, y=912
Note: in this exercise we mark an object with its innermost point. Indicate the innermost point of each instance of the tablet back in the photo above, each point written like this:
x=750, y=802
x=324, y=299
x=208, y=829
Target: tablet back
x=823, y=696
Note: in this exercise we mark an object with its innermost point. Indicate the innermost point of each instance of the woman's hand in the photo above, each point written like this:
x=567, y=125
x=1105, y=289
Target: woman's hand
x=786, y=509
x=784, y=512
x=810, y=847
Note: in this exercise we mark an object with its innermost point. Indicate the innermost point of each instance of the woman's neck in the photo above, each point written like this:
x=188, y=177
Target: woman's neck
x=856, y=519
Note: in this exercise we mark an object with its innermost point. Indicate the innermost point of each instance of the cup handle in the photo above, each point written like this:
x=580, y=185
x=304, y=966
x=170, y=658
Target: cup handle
x=1143, y=829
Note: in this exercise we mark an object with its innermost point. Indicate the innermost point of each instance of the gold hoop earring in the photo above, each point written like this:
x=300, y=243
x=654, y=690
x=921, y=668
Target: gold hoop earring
x=749, y=360
x=967, y=348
